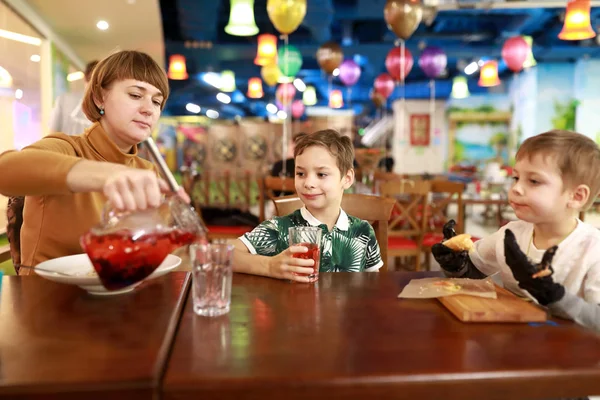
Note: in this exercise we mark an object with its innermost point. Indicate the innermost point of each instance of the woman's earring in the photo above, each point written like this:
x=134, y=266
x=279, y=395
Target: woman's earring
x=101, y=111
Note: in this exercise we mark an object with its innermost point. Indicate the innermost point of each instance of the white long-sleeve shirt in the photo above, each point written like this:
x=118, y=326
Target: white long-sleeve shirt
x=67, y=115
x=576, y=266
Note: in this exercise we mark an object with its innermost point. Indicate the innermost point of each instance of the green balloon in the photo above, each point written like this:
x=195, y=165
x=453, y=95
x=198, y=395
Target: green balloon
x=294, y=61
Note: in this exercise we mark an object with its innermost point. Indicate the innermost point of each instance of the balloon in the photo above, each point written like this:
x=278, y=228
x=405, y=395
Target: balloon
x=433, y=61
x=403, y=17
x=285, y=93
x=377, y=99
x=514, y=53
x=294, y=61
x=286, y=15
x=270, y=74
x=297, y=108
x=394, y=60
x=384, y=85
x=349, y=72
x=329, y=56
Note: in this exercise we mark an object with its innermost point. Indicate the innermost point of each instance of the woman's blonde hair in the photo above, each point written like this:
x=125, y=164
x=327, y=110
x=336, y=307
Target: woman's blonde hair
x=127, y=64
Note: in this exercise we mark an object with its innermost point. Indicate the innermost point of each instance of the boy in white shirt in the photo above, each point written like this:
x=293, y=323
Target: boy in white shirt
x=556, y=175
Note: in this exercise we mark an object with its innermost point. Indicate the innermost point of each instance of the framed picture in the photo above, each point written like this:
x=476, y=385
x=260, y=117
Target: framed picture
x=420, y=129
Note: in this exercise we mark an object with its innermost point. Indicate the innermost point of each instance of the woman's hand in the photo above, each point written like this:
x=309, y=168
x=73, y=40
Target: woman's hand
x=134, y=189
x=285, y=266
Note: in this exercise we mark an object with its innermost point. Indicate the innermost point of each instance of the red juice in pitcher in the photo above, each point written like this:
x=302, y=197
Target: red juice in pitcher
x=123, y=258
x=313, y=253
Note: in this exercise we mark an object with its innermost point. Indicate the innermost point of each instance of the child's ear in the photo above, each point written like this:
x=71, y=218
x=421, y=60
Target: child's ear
x=348, y=178
x=580, y=196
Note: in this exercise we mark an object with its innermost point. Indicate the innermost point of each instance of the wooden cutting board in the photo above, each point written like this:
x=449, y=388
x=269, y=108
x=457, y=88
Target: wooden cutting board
x=506, y=308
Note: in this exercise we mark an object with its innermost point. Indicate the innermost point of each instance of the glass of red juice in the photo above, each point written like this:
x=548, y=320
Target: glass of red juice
x=309, y=237
x=126, y=247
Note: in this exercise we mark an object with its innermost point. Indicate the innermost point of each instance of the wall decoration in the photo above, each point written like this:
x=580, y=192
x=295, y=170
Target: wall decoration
x=420, y=129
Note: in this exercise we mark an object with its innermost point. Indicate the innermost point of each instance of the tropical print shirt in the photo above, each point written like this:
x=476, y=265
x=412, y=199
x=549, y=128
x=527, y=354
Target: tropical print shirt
x=350, y=246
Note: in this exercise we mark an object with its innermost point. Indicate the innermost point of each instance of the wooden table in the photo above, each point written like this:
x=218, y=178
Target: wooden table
x=58, y=342
x=350, y=337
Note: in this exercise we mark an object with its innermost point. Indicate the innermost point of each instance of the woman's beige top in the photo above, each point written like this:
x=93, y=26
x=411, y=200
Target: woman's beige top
x=54, y=217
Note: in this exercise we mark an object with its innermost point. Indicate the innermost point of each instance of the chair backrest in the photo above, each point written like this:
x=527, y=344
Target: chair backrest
x=443, y=194
x=269, y=188
x=374, y=209
x=14, y=216
x=409, y=216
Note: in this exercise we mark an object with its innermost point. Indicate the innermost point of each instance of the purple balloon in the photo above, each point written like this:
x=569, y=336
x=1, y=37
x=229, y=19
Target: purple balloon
x=349, y=72
x=433, y=61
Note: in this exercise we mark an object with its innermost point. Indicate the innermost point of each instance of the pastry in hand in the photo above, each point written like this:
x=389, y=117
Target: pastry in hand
x=461, y=242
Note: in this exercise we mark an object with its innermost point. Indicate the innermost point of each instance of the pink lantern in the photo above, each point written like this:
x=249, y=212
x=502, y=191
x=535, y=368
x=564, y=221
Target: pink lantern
x=514, y=53
x=297, y=108
x=285, y=93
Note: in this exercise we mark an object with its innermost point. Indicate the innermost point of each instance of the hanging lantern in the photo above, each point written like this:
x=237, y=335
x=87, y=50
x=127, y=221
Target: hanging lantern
x=241, y=18
x=530, y=61
x=336, y=99
x=255, y=89
x=177, y=69
x=309, y=97
x=489, y=74
x=227, y=81
x=577, y=21
x=460, y=88
x=266, y=52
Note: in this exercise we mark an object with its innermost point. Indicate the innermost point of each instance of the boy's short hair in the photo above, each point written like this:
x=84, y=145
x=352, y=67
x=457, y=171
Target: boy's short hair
x=577, y=158
x=127, y=64
x=338, y=146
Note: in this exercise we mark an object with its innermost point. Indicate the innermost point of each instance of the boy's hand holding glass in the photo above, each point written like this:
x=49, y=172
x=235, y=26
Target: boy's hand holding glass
x=286, y=266
x=542, y=288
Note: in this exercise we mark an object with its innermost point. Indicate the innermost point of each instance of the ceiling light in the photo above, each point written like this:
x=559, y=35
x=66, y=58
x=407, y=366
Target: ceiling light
x=35, y=58
x=18, y=94
x=6, y=79
x=193, y=108
x=272, y=108
x=577, y=24
x=20, y=38
x=471, y=68
x=488, y=76
x=336, y=72
x=102, y=25
x=212, y=78
x=299, y=85
x=212, y=114
x=75, y=76
x=223, y=98
x=460, y=88
x=282, y=114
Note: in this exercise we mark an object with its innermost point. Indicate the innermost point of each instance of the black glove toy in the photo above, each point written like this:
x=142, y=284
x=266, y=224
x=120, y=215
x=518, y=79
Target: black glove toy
x=533, y=277
x=455, y=263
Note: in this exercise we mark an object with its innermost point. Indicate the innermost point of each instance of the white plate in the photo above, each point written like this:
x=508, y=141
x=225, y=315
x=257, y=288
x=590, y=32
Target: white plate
x=85, y=276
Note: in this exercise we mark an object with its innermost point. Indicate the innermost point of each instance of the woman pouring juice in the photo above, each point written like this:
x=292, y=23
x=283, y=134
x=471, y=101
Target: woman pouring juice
x=66, y=180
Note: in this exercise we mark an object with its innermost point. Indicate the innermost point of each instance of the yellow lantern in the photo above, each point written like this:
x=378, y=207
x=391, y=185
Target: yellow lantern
x=577, y=21
x=336, y=99
x=266, y=52
x=270, y=74
x=530, y=61
x=255, y=89
x=460, y=88
x=309, y=97
x=241, y=18
x=177, y=69
x=489, y=74
x=227, y=81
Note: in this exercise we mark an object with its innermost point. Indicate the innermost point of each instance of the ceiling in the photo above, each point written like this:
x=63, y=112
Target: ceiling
x=134, y=24
x=467, y=30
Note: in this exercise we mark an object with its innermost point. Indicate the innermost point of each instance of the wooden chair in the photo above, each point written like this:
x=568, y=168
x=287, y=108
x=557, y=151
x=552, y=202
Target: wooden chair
x=407, y=225
x=267, y=187
x=374, y=209
x=14, y=216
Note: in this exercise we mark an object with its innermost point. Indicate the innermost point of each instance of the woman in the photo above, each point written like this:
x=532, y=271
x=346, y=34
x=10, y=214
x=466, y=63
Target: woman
x=68, y=179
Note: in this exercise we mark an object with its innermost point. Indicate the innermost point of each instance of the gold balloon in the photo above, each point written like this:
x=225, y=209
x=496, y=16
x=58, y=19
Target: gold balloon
x=403, y=16
x=330, y=56
x=270, y=74
x=286, y=15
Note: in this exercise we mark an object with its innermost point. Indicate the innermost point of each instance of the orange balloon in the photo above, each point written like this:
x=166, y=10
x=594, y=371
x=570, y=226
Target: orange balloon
x=403, y=16
x=330, y=56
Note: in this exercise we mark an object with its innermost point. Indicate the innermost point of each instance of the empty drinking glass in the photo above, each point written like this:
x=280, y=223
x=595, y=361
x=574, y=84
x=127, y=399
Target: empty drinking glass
x=212, y=273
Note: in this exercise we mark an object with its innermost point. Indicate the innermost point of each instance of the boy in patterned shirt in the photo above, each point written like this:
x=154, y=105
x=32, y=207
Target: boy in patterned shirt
x=324, y=169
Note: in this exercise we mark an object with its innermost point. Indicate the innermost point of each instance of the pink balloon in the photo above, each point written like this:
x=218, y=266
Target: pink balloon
x=285, y=93
x=396, y=60
x=349, y=72
x=514, y=53
x=384, y=85
x=297, y=108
